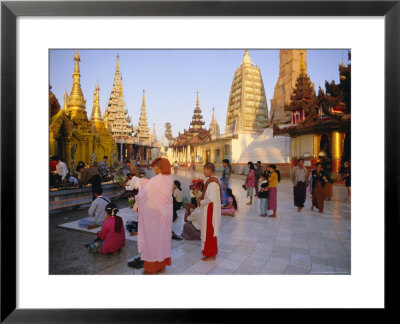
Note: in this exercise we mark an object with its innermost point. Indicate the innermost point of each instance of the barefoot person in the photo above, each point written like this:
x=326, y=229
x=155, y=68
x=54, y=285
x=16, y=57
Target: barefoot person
x=155, y=218
x=318, y=182
x=273, y=179
x=210, y=204
x=249, y=183
x=111, y=237
x=300, y=182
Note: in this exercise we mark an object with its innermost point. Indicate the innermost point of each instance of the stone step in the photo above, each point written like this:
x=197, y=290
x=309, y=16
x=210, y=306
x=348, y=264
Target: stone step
x=80, y=198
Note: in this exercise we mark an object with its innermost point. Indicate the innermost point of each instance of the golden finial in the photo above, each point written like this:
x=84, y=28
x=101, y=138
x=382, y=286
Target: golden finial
x=197, y=100
x=96, y=113
x=213, y=114
x=117, y=62
x=144, y=99
x=76, y=57
x=302, y=65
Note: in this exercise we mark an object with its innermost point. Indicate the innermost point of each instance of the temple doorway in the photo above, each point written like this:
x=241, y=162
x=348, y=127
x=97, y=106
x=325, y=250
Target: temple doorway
x=324, y=145
x=325, y=152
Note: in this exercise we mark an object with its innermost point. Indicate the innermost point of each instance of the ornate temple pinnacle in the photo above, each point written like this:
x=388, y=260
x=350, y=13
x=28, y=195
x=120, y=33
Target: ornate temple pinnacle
x=65, y=99
x=246, y=58
x=143, y=98
x=76, y=57
x=96, y=113
x=197, y=100
x=117, y=67
x=76, y=101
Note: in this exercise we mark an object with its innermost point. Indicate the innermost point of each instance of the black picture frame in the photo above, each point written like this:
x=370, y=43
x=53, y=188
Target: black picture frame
x=10, y=10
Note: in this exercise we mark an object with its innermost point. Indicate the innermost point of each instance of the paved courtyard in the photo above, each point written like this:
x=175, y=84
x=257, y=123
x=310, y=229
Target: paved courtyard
x=292, y=243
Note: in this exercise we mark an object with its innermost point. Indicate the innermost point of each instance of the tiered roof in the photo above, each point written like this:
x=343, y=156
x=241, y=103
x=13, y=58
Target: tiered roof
x=144, y=130
x=116, y=117
x=196, y=133
x=303, y=96
x=197, y=119
x=334, y=114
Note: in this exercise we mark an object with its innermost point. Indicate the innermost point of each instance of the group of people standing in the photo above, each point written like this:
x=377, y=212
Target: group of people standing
x=264, y=183
x=320, y=183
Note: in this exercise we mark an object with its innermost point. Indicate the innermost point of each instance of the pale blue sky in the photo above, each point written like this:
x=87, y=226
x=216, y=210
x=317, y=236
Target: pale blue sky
x=172, y=77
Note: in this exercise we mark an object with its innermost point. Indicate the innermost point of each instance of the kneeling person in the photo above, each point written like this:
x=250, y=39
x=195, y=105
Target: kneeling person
x=111, y=237
x=97, y=211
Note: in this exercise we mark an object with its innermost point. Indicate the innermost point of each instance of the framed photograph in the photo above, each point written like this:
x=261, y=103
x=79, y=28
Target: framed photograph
x=32, y=32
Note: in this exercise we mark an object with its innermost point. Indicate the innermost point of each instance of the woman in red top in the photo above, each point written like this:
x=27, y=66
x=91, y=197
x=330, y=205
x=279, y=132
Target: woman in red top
x=111, y=238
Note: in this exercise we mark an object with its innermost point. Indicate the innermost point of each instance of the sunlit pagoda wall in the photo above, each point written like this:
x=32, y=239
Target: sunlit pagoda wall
x=247, y=107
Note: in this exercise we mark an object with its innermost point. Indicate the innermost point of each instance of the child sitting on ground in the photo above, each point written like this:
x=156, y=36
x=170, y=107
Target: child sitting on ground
x=230, y=208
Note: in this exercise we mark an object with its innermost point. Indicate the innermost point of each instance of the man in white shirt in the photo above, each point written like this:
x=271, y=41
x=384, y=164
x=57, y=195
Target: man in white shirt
x=97, y=211
x=61, y=169
x=132, y=185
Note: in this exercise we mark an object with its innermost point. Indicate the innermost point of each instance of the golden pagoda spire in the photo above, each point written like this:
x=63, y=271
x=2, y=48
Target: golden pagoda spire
x=76, y=101
x=77, y=59
x=96, y=112
x=65, y=100
x=117, y=68
x=197, y=100
x=213, y=118
x=302, y=65
x=143, y=99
